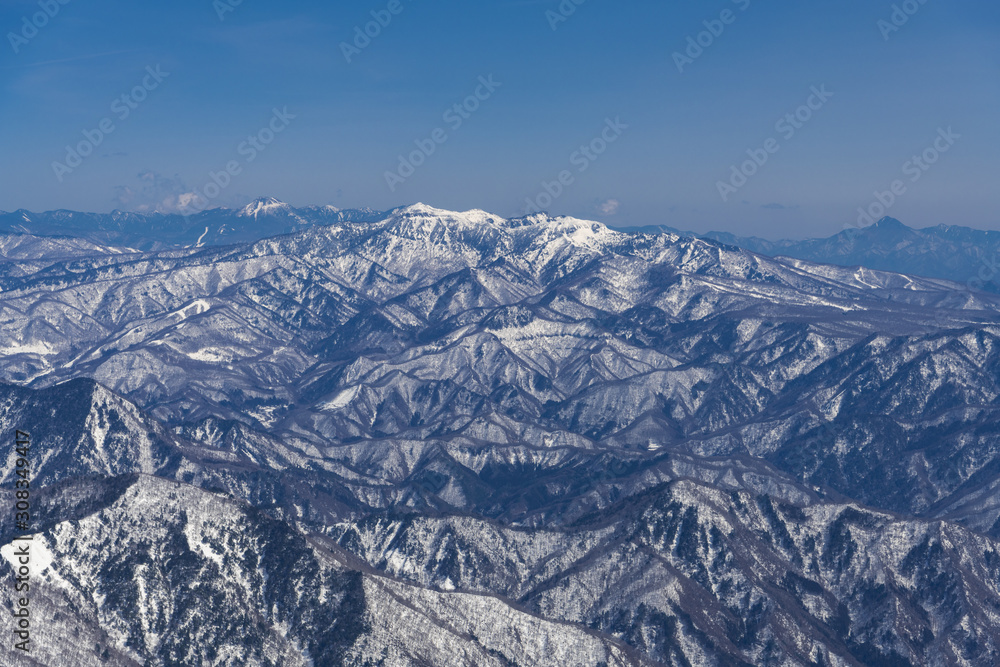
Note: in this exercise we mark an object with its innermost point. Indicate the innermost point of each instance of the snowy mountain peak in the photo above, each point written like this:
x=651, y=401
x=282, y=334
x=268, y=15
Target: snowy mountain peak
x=263, y=206
x=420, y=209
x=477, y=217
x=430, y=219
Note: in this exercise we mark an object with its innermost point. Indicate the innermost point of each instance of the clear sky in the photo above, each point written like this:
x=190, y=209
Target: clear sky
x=662, y=131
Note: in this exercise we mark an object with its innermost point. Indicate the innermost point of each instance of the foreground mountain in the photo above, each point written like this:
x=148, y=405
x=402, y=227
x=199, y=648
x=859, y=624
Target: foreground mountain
x=676, y=560
x=491, y=441
x=164, y=573
x=961, y=254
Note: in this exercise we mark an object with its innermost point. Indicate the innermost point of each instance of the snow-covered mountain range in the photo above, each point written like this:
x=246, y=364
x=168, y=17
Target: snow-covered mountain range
x=950, y=252
x=157, y=231
x=432, y=437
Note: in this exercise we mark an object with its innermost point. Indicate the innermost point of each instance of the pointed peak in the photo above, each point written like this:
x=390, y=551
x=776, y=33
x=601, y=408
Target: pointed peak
x=890, y=223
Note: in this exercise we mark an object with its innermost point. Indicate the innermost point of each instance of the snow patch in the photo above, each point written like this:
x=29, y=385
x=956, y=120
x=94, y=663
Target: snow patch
x=43, y=349
x=341, y=400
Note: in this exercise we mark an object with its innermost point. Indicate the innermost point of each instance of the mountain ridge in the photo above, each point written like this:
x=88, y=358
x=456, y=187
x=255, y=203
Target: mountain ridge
x=962, y=254
x=488, y=436
x=261, y=218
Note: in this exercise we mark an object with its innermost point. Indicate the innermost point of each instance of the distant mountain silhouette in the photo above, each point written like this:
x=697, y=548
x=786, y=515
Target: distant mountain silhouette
x=965, y=255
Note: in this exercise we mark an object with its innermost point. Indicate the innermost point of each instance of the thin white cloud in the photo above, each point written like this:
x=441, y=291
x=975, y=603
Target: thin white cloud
x=609, y=206
x=156, y=193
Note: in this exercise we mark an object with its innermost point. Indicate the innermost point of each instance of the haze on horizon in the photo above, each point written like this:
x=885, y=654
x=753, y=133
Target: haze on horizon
x=500, y=101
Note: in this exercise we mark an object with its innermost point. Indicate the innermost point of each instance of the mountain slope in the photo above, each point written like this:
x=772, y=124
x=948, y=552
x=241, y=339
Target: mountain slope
x=170, y=574
x=678, y=561
x=529, y=441
x=465, y=329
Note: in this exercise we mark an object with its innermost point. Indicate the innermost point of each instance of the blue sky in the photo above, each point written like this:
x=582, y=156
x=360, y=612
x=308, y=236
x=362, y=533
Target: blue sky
x=557, y=85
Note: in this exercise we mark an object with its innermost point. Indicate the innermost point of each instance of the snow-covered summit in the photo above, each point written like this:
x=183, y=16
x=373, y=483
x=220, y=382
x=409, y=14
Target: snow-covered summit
x=582, y=231
x=470, y=218
x=264, y=206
